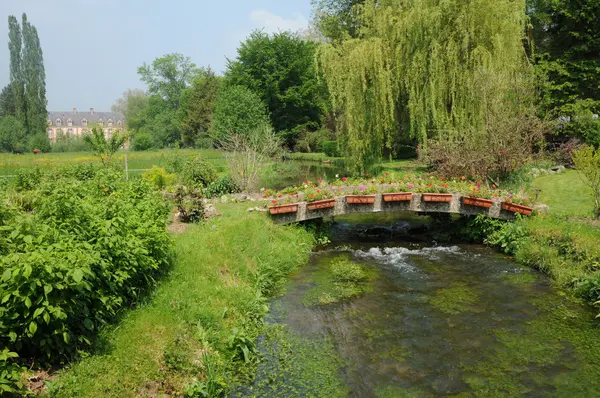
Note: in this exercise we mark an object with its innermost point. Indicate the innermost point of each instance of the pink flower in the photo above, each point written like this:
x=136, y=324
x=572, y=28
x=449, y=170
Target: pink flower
x=410, y=185
x=362, y=187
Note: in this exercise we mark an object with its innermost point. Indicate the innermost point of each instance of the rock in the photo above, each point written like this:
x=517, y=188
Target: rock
x=558, y=169
x=541, y=209
x=261, y=209
x=210, y=212
x=224, y=199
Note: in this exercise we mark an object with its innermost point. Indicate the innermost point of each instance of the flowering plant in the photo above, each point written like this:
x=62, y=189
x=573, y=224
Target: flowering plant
x=364, y=190
x=317, y=194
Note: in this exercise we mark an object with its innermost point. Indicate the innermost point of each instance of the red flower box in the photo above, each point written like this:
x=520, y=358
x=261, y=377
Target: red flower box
x=282, y=209
x=477, y=202
x=321, y=204
x=437, y=197
x=515, y=208
x=360, y=199
x=397, y=197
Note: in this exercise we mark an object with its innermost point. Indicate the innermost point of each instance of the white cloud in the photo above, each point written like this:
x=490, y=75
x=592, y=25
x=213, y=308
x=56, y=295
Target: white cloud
x=271, y=23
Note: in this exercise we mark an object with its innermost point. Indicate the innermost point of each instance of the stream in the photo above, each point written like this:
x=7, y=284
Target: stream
x=430, y=320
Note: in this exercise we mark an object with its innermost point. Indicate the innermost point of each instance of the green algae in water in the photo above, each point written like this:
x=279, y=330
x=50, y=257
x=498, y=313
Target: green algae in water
x=521, y=278
x=455, y=299
x=339, y=279
x=295, y=366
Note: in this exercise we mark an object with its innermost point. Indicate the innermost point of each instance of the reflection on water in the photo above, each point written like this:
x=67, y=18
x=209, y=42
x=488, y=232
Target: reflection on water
x=440, y=321
x=291, y=173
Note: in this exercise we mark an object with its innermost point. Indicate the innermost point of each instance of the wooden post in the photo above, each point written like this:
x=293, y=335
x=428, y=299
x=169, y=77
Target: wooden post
x=126, y=169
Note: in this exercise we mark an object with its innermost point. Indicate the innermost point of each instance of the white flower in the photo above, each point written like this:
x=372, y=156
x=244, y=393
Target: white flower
x=337, y=176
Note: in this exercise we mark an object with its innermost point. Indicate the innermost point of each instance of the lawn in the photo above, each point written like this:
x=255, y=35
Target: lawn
x=222, y=268
x=565, y=193
x=137, y=161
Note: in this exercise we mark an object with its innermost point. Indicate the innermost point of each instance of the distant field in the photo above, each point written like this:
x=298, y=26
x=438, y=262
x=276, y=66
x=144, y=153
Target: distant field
x=137, y=161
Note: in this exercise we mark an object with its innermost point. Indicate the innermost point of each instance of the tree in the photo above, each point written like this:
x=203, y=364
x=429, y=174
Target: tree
x=35, y=80
x=197, y=107
x=17, y=79
x=587, y=162
x=337, y=19
x=417, y=72
x=237, y=112
x=567, y=41
x=168, y=77
x=132, y=105
x=248, y=153
x=12, y=134
x=7, y=101
x=280, y=68
x=105, y=147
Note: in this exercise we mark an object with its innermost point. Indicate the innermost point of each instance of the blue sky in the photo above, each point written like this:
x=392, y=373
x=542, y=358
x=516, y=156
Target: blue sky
x=92, y=48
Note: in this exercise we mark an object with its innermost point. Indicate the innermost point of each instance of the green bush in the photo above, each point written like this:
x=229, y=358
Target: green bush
x=221, y=186
x=159, y=177
x=331, y=148
x=142, y=141
x=198, y=172
x=86, y=251
x=70, y=144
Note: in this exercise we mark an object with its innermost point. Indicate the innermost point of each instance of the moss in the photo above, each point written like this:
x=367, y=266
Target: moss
x=521, y=278
x=295, y=365
x=398, y=392
x=455, y=299
x=338, y=280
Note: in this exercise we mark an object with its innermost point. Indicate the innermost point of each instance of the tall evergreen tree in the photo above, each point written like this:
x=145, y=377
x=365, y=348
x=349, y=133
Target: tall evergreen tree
x=17, y=83
x=35, y=80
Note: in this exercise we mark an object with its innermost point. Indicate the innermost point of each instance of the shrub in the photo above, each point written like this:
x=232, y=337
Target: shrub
x=70, y=144
x=189, y=204
x=27, y=179
x=198, y=172
x=587, y=161
x=142, y=141
x=88, y=250
x=222, y=186
x=159, y=177
x=331, y=148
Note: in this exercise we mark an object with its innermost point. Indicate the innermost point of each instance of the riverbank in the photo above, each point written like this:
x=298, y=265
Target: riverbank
x=198, y=330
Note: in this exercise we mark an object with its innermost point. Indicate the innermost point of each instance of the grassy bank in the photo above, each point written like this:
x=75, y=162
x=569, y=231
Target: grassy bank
x=565, y=193
x=198, y=330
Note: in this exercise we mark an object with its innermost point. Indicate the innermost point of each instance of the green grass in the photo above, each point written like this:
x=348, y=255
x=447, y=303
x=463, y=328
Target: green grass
x=565, y=193
x=223, y=267
x=10, y=164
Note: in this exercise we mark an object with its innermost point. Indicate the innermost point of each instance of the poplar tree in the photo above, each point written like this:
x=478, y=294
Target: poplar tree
x=17, y=82
x=35, y=80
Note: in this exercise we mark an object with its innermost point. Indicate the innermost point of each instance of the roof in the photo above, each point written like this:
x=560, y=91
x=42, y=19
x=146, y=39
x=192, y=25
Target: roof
x=79, y=116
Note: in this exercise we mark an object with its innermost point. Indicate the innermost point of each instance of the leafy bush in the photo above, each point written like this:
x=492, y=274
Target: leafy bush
x=142, y=142
x=27, y=179
x=189, y=204
x=70, y=144
x=10, y=373
x=222, y=186
x=331, y=148
x=198, y=172
x=87, y=250
x=583, y=124
x=159, y=177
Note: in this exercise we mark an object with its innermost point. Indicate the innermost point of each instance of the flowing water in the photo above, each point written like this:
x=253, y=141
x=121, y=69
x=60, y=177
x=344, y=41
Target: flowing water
x=434, y=320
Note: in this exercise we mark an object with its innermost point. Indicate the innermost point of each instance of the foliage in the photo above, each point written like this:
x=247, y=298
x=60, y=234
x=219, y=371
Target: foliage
x=225, y=270
x=565, y=151
x=105, y=147
x=567, y=43
x=409, y=75
x=587, y=162
x=280, y=69
x=70, y=144
x=132, y=105
x=10, y=374
x=198, y=172
x=331, y=148
x=189, y=204
x=312, y=141
x=337, y=19
x=197, y=107
x=159, y=178
x=247, y=154
x=87, y=250
x=142, y=141
x=12, y=134
x=238, y=111
x=583, y=124
x=34, y=81
x=221, y=186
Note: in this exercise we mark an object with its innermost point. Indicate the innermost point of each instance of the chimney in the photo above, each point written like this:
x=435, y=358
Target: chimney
x=92, y=111
x=74, y=111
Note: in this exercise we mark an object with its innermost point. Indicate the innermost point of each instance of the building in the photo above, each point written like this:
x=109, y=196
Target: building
x=74, y=124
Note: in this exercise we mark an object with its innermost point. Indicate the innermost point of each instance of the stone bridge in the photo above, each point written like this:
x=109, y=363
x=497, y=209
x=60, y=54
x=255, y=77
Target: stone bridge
x=417, y=204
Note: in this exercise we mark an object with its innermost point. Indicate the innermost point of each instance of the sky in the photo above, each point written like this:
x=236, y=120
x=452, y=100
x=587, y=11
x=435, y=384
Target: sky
x=92, y=48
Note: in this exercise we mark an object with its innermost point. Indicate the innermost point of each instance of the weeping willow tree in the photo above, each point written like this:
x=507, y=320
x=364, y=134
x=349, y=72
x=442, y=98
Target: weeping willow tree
x=427, y=70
